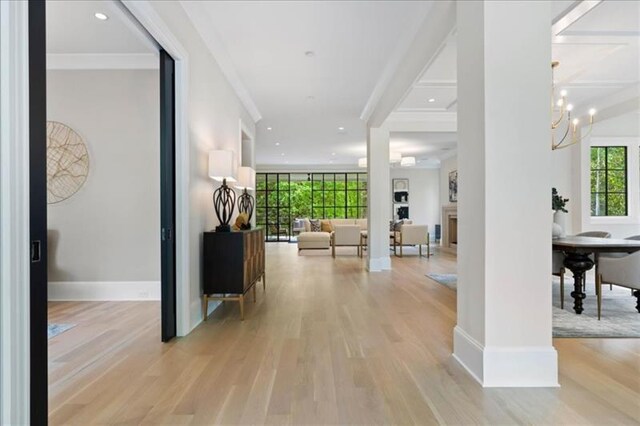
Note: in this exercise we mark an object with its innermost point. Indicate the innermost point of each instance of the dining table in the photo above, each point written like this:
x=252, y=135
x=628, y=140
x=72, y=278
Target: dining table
x=578, y=260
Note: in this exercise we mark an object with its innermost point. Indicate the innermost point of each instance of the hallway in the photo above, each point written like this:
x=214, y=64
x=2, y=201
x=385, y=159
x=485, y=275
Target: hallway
x=327, y=344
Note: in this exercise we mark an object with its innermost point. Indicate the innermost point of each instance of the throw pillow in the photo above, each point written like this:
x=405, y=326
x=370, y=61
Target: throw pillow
x=325, y=226
x=315, y=225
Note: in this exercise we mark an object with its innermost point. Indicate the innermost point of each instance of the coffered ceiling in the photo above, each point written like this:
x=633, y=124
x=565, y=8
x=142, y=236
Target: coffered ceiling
x=598, y=49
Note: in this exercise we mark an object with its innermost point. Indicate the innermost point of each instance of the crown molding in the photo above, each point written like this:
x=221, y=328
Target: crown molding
x=202, y=24
x=102, y=61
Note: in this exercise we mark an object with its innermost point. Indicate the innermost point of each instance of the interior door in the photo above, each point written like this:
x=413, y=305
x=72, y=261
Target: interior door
x=167, y=195
x=38, y=211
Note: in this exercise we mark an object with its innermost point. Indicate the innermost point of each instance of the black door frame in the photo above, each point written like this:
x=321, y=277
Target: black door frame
x=39, y=407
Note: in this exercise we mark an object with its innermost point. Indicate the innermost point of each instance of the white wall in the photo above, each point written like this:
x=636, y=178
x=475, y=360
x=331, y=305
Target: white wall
x=109, y=230
x=424, y=195
x=214, y=116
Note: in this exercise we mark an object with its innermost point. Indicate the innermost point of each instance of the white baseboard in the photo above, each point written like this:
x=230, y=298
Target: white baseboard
x=103, y=290
x=377, y=264
x=196, y=311
x=468, y=352
x=529, y=366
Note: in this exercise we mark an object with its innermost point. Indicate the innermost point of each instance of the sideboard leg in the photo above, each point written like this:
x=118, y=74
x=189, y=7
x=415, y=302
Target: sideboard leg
x=264, y=282
x=205, y=306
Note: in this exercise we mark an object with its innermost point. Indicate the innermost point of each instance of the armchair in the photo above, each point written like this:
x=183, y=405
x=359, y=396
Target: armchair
x=345, y=235
x=622, y=271
x=410, y=234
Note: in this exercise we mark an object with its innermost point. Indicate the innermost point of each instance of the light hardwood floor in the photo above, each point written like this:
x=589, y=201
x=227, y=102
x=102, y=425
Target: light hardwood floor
x=327, y=343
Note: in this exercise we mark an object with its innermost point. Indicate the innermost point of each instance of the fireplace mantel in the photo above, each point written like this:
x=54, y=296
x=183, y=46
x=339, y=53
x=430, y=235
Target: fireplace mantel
x=450, y=228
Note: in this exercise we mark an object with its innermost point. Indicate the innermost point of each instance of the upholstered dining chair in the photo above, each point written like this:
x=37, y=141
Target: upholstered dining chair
x=622, y=271
x=594, y=258
x=633, y=237
x=558, y=270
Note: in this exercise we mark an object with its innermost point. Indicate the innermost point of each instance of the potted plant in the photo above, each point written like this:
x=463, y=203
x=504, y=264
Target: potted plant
x=558, y=205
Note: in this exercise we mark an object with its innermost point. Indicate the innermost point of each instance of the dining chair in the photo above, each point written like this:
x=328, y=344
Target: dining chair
x=622, y=271
x=558, y=270
x=593, y=257
x=633, y=237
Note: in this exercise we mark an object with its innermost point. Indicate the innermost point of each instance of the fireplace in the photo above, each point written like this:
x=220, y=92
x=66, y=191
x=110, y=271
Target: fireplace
x=450, y=228
x=453, y=230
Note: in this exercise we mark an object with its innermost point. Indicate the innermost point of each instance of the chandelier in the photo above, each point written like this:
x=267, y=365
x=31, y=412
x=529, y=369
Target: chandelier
x=561, y=116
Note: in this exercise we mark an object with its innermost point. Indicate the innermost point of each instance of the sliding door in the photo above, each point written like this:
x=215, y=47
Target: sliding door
x=38, y=211
x=167, y=195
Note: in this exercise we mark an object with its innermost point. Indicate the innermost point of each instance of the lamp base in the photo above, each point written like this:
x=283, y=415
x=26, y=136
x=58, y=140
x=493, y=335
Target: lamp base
x=223, y=228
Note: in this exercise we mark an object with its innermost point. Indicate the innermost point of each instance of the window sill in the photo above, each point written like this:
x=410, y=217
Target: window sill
x=614, y=220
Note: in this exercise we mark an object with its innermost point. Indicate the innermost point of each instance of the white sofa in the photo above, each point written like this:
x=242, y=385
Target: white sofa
x=308, y=240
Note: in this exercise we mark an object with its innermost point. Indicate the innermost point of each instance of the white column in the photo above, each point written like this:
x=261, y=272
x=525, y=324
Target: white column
x=503, y=335
x=378, y=199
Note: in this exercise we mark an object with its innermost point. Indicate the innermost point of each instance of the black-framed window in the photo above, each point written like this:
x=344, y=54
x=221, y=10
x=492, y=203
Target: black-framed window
x=283, y=197
x=609, y=181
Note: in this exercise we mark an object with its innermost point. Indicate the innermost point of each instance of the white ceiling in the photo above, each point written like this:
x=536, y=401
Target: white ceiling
x=599, y=56
x=72, y=28
x=266, y=44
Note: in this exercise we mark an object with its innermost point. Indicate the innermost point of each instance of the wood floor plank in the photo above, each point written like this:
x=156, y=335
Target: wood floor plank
x=326, y=343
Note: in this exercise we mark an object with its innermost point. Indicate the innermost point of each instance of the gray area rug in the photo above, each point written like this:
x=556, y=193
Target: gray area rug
x=619, y=315
x=447, y=280
x=54, y=329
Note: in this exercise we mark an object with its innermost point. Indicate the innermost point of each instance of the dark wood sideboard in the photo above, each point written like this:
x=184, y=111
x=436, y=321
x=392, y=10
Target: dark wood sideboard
x=233, y=262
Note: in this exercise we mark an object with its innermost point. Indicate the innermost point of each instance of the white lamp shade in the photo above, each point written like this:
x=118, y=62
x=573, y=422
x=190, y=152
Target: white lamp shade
x=408, y=161
x=246, y=178
x=362, y=162
x=395, y=157
x=222, y=165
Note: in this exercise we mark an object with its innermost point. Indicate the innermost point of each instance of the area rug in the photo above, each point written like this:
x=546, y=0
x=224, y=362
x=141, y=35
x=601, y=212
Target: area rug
x=447, y=280
x=619, y=315
x=54, y=329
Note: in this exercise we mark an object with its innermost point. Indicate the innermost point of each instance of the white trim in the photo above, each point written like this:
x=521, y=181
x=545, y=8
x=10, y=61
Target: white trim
x=468, y=352
x=155, y=25
x=633, y=181
x=102, y=61
x=492, y=366
x=378, y=264
x=103, y=290
x=199, y=17
x=14, y=214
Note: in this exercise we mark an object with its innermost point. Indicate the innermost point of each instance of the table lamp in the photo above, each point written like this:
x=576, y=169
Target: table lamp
x=222, y=168
x=246, y=181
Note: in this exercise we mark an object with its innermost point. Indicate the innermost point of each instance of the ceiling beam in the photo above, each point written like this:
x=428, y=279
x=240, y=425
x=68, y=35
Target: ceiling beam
x=571, y=15
x=428, y=42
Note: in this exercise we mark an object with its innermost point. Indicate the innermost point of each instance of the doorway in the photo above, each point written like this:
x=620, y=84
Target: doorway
x=41, y=131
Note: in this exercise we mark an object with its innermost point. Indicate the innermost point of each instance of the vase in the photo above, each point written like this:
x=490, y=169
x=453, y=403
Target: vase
x=559, y=224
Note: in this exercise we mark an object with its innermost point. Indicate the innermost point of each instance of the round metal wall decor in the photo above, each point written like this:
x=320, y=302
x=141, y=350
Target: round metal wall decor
x=67, y=162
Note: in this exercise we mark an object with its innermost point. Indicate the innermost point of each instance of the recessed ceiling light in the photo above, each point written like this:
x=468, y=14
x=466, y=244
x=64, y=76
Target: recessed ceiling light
x=101, y=16
x=432, y=100
x=277, y=143
x=333, y=153
x=282, y=154
x=269, y=128
x=341, y=128
x=309, y=54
